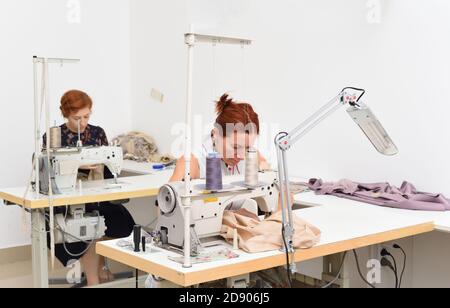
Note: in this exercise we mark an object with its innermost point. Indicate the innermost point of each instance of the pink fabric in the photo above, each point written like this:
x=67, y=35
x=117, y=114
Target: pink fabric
x=259, y=236
x=406, y=197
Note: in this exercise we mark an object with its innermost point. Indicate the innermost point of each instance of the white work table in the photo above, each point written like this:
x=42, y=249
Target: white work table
x=345, y=226
x=147, y=184
x=441, y=220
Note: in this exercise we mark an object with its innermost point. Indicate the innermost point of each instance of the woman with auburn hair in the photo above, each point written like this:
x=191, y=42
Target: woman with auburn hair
x=236, y=130
x=76, y=108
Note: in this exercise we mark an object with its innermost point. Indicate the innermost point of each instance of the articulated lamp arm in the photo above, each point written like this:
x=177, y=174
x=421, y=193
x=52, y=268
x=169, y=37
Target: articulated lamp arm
x=365, y=119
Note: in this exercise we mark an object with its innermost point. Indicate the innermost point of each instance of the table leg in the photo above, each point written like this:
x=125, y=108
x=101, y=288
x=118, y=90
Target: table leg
x=39, y=249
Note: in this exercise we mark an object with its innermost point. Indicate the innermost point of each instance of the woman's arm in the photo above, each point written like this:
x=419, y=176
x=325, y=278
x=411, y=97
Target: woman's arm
x=178, y=174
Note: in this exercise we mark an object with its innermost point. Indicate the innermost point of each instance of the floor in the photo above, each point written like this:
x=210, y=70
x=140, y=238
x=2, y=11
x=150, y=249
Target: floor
x=19, y=274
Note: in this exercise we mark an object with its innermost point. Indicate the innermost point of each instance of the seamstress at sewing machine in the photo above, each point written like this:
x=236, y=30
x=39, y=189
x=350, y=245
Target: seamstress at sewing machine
x=236, y=130
x=76, y=108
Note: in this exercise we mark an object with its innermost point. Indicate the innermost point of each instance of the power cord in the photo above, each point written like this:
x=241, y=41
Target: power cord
x=288, y=264
x=356, y=89
x=359, y=271
x=386, y=263
x=64, y=234
x=341, y=267
x=396, y=246
x=385, y=253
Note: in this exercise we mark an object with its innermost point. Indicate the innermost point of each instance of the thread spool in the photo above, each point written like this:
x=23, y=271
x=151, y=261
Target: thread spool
x=214, y=172
x=251, y=168
x=55, y=137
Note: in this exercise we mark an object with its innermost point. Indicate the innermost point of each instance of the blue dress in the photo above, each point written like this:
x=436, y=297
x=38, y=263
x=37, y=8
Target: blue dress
x=119, y=221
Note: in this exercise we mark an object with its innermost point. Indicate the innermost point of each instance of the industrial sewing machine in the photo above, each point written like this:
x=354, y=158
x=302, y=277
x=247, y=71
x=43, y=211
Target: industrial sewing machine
x=76, y=225
x=65, y=162
x=208, y=209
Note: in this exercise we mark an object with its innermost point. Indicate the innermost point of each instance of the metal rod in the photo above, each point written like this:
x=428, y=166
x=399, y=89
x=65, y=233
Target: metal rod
x=55, y=60
x=50, y=188
x=37, y=130
x=288, y=189
x=214, y=39
x=281, y=177
x=317, y=122
x=187, y=155
x=315, y=115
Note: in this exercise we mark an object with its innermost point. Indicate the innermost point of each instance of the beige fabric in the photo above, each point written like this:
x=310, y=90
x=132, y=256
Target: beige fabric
x=140, y=147
x=97, y=174
x=259, y=236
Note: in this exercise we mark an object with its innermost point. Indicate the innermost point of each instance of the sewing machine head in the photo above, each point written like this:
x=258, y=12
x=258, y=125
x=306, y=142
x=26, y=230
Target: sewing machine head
x=64, y=165
x=208, y=209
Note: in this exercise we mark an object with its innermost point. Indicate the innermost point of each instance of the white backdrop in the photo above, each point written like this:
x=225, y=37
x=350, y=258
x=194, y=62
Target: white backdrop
x=97, y=32
x=305, y=52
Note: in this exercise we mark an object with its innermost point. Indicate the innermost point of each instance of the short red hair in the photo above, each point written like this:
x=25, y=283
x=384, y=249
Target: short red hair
x=231, y=112
x=73, y=101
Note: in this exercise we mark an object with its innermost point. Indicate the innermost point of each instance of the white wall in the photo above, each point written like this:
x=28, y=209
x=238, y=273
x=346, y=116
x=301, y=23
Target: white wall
x=305, y=51
x=101, y=40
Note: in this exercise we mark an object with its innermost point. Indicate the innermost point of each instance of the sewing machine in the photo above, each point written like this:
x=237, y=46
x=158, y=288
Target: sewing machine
x=64, y=165
x=208, y=209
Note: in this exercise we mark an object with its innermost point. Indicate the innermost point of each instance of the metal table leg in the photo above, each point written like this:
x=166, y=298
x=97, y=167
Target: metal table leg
x=39, y=250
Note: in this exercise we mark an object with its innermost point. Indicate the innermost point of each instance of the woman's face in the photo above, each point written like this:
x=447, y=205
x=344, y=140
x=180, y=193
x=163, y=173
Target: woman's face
x=233, y=147
x=82, y=116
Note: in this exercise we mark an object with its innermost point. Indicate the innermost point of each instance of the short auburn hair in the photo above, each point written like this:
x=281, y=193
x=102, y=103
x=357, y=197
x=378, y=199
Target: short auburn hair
x=231, y=112
x=73, y=101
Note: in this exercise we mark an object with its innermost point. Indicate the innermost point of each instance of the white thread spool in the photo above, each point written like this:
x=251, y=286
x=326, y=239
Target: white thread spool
x=55, y=137
x=251, y=168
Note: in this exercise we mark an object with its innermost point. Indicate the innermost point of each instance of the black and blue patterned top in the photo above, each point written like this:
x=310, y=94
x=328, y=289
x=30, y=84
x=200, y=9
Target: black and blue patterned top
x=92, y=136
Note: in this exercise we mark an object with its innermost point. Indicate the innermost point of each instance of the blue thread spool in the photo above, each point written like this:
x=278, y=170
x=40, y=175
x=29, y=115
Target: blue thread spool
x=158, y=167
x=214, y=172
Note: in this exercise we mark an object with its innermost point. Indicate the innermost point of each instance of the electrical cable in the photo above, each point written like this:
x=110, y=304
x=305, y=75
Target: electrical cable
x=386, y=263
x=89, y=243
x=356, y=89
x=396, y=246
x=386, y=253
x=341, y=267
x=359, y=271
x=288, y=265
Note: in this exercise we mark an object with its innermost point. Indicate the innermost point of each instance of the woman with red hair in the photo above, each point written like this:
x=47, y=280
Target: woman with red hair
x=76, y=108
x=236, y=130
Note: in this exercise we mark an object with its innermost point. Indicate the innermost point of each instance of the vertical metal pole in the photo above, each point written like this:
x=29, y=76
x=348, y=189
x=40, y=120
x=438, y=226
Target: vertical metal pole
x=190, y=41
x=50, y=188
x=39, y=250
x=282, y=181
x=37, y=131
x=291, y=229
x=288, y=190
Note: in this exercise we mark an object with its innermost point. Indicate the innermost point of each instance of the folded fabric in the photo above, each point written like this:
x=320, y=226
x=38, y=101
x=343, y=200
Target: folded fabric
x=259, y=236
x=140, y=147
x=383, y=194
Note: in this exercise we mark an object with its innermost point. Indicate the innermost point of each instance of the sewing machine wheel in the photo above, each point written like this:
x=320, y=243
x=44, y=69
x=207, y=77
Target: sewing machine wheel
x=167, y=200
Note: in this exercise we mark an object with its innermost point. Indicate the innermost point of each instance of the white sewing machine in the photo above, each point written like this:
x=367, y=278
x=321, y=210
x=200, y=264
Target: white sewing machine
x=208, y=209
x=64, y=165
